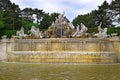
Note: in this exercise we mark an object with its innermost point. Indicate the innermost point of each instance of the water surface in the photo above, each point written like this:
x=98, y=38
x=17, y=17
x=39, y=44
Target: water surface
x=32, y=71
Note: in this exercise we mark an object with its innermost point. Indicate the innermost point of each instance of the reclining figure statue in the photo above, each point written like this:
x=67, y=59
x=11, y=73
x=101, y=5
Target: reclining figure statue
x=79, y=33
x=20, y=33
x=102, y=32
x=35, y=32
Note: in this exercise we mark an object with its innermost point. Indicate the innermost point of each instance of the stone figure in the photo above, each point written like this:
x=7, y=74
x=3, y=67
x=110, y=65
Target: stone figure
x=99, y=28
x=20, y=33
x=79, y=33
x=78, y=28
x=102, y=32
x=35, y=31
x=71, y=25
x=83, y=29
x=61, y=28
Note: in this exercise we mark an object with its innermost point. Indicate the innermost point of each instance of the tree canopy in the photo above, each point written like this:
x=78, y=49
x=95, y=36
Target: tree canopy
x=13, y=18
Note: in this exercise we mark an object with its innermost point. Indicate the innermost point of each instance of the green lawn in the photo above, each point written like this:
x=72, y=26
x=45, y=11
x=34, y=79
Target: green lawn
x=26, y=71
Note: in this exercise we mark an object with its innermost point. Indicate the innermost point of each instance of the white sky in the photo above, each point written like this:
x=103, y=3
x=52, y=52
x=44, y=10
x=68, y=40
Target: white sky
x=72, y=8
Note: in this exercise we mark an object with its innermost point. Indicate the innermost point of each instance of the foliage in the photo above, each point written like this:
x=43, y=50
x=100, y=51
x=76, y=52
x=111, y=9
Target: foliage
x=111, y=30
x=115, y=10
x=46, y=22
x=13, y=18
x=1, y=19
x=102, y=15
x=85, y=19
x=117, y=30
x=9, y=33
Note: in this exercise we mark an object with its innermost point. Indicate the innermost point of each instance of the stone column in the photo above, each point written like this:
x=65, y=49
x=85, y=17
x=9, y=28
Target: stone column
x=3, y=50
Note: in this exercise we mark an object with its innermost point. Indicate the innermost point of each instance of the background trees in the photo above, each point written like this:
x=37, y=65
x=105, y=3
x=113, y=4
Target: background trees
x=1, y=19
x=115, y=10
x=13, y=18
x=102, y=15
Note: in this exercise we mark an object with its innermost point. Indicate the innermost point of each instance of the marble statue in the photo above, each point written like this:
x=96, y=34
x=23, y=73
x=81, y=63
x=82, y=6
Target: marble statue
x=78, y=32
x=20, y=33
x=83, y=29
x=61, y=28
x=71, y=25
x=102, y=32
x=78, y=28
x=35, y=31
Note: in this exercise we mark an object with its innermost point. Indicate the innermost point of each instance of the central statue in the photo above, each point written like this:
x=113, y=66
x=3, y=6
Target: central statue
x=60, y=28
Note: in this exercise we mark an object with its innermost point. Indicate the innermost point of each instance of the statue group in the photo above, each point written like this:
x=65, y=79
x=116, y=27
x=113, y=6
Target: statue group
x=33, y=33
x=61, y=28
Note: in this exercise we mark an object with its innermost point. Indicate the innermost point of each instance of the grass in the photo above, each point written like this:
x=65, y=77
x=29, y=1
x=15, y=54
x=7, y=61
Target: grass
x=32, y=71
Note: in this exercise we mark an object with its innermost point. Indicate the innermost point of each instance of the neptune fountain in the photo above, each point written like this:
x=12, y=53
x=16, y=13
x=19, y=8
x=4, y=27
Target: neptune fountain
x=61, y=43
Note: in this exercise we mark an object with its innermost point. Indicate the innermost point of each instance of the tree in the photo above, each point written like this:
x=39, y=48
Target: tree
x=85, y=19
x=11, y=17
x=54, y=16
x=1, y=19
x=115, y=10
x=27, y=14
x=5, y=4
x=15, y=10
x=39, y=15
x=102, y=15
x=46, y=22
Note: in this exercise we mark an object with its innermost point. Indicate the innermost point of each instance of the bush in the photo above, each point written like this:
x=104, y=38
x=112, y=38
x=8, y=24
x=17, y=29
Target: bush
x=9, y=33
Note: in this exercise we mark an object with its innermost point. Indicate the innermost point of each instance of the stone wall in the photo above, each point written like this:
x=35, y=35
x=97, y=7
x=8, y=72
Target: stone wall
x=3, y=49
x=63, y=44
x=87, y=50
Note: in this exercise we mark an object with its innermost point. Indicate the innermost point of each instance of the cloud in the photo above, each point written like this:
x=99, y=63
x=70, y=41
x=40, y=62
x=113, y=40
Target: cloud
x=72, y=8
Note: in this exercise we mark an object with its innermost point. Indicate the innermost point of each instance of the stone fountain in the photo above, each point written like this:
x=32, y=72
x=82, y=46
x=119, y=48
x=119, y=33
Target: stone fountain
x=60, y=45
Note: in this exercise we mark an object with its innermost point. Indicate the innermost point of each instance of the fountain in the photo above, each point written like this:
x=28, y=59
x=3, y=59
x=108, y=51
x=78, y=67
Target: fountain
x=60, y=45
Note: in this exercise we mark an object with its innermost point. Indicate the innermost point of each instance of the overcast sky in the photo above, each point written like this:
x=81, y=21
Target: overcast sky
x=72, y=8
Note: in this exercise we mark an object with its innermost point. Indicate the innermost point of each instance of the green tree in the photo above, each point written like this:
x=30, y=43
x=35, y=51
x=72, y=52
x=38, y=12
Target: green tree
x=15, y=10
x=85, y=19
x=1, y=19
x=27, y=14
x=39, y=15
x=5, y=4
x=10, y=15
x=115, y=10
x=46, y=22
x=102, y=15
x=54, y=16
